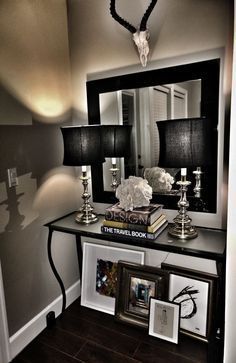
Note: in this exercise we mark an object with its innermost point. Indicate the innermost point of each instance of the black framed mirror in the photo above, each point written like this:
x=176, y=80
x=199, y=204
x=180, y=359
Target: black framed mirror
x=207, y=73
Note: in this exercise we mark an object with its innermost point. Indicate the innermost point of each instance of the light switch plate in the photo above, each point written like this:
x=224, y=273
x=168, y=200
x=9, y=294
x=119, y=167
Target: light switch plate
x=12, y=177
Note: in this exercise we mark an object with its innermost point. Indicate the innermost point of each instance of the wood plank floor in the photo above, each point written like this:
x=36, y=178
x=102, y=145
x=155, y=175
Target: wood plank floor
x=85, y=335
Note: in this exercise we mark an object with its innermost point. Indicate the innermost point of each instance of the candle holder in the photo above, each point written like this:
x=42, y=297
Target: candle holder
x=182, y=227
x=198, y=185
x=86, y=215
x=114, y=171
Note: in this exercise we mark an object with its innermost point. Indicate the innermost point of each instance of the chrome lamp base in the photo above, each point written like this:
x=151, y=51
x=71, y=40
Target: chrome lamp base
x=182, y=227
x=86, y=217
x=85, y=214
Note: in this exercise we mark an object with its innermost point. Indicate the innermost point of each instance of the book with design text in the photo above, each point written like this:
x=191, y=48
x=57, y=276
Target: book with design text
x=137, y=227
x=143, y=215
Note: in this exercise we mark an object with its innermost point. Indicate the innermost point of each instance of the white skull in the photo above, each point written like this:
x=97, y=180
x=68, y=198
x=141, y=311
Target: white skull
x=141, y=40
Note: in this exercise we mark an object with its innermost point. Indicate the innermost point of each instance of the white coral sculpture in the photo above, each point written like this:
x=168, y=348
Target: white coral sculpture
x=133, y=192
x=159, y=179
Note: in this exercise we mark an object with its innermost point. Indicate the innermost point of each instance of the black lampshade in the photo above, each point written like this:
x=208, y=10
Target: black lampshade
x=116, y=140
x=82, y=145
x=185, y=142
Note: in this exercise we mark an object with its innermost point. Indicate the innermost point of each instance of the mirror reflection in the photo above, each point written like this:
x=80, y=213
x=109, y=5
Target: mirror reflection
x=141, y=108
x=141, y=99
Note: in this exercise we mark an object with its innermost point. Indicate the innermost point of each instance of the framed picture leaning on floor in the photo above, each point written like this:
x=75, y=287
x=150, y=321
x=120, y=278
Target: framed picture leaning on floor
x=196, y=292
x=99, y=274
x=135, y=286
x=164, y=319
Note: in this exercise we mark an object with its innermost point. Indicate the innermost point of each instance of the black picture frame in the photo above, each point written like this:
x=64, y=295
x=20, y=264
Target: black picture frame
x=135, y=285
x=197, y=294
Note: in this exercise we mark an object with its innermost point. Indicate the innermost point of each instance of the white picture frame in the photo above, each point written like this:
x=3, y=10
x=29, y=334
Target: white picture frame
x=164, y=318
x=92, y=254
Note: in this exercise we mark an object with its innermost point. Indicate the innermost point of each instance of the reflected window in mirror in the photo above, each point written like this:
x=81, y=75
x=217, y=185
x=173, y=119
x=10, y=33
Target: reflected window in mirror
x=119, y=108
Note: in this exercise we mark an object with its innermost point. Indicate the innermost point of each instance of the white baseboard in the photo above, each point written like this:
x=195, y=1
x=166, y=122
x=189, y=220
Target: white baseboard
x=28, y=332
x=4, y=334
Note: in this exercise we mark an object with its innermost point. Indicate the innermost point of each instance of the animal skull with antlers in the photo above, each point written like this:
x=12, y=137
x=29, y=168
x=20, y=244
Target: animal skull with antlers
x=141, y=35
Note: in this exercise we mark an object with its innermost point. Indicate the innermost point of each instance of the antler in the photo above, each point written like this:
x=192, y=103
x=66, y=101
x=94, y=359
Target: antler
x=141, y=35
x=120, y=20
x=143, y=24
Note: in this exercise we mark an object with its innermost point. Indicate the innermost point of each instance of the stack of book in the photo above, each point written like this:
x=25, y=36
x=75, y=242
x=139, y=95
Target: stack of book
x=145, y=222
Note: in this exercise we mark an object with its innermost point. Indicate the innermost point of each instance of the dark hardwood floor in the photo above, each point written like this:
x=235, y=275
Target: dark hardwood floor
x=85, y=335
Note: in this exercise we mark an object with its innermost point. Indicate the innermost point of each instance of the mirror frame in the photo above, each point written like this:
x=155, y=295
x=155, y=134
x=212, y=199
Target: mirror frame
x=209, y=73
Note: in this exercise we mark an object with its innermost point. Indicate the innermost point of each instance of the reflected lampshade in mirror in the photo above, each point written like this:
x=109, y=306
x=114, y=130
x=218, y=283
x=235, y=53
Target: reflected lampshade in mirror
x=116, y=143
x=116, y=140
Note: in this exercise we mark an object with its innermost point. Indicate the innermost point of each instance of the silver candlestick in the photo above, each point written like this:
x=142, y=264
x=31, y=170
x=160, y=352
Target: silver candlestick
x=182, y=227
x=114, y=170
x=198, y=187
x=86, y=215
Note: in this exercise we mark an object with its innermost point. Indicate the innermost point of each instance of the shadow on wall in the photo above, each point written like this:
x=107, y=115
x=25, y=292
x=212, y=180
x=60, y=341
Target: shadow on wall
x=20, y=209
x=46, y=190
x=23, y=247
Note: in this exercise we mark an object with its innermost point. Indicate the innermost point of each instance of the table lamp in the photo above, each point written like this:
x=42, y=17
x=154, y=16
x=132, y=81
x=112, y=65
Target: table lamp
x=116, y=144
x=83, y=147
x=184, y=143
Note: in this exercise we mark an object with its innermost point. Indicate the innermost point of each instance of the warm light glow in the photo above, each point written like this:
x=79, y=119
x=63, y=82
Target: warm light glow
x=113, y=161
x=60, y=192
x=34, y=63
x=48, y=107
x=84, y=168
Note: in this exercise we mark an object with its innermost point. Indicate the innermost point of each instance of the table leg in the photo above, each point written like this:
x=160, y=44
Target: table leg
x=55, y=270
x=80, y=255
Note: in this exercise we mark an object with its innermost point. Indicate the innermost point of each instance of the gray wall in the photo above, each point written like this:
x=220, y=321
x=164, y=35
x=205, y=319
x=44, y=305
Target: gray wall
x=35, y=97
x=98, y=43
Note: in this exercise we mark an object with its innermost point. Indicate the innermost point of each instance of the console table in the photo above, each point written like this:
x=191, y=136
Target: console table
x=210, y=244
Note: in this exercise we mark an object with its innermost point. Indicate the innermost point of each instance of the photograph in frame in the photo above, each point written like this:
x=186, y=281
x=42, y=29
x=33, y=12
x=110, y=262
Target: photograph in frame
x=106, y=277
x=99, y=274
x=137, y=284
x=164, y=317
x=140, y=292
x=195, y=291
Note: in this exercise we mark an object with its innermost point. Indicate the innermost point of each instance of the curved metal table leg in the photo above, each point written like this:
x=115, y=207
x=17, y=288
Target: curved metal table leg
x=55, y=271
